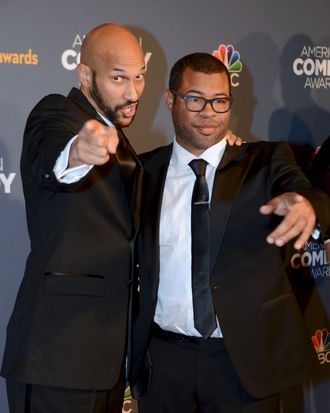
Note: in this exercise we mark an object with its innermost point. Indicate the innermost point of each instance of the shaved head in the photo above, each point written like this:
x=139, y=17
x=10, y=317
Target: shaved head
x=107, y=41
x=111, y=72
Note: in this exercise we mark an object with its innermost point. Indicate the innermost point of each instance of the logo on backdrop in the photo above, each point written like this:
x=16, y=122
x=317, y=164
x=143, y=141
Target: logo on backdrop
x=313, y=260
x=321, y=342
x=13, y=58
x=6, y=179
x=70, y=58
x=314, y=64
x=231, y=59
x=127, y=406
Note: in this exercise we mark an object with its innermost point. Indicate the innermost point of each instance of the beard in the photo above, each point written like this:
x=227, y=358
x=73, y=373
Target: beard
x=109, y=112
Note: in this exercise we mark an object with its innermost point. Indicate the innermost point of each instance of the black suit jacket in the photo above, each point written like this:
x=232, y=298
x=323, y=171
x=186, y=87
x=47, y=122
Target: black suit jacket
x=68, y=327
x=257, y=310
x=320, y=169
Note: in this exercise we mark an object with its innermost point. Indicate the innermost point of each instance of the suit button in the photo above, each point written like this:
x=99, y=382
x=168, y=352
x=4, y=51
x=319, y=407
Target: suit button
x=45, y=176
x=215, y=287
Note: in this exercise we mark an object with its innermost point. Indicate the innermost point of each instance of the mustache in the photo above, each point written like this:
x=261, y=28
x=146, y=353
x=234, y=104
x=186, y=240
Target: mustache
x=204, y=124
x=127, y=103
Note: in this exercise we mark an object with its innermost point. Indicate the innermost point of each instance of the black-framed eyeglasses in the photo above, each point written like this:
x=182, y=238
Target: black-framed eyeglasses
x=197, y=103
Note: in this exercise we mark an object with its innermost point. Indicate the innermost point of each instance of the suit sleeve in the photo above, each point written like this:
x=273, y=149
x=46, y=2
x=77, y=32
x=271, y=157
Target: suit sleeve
x=320, y=172
x=50, y=126
x=286, y=176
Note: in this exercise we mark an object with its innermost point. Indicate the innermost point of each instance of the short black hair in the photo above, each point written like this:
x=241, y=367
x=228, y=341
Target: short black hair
x=198, y=62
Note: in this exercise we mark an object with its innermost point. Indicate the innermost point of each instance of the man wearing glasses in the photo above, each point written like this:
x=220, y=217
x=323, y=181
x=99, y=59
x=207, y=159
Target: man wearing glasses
x=219, y=329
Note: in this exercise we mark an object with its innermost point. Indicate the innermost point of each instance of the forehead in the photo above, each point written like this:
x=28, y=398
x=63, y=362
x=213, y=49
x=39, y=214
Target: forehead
x=126, y=60
x=204, y=83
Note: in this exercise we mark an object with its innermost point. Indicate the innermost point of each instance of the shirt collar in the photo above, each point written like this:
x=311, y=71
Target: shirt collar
x=213, y=155
x=106, y=120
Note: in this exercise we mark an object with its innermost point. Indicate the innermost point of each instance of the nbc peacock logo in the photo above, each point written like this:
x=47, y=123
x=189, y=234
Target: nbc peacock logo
x=128, y=406
x=231, y=59
x=321, y=342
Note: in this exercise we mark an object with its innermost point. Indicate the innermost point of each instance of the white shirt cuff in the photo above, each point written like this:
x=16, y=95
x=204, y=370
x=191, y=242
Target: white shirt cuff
x=69, y=175
x=316, y=233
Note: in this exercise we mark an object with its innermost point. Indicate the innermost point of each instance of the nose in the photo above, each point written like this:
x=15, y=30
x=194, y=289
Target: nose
x=208, y=110
x=133, y=91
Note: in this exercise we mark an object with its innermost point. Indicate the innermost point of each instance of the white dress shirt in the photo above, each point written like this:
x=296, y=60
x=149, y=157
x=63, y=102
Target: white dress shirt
x=174, y=310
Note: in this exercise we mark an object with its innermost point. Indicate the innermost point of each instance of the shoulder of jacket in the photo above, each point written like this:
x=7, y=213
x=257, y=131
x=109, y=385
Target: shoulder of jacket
x=146, y=157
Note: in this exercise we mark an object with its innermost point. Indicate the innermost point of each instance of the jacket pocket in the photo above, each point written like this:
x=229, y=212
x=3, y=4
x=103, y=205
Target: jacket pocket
x=68, y=283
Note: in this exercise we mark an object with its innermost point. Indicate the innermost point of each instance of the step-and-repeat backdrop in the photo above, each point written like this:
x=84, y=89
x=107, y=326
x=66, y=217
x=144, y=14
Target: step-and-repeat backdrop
x=278, y=54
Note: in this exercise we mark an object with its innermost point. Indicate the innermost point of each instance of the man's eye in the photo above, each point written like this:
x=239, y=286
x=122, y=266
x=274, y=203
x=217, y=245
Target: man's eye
x=140, y=76
x=221, y=101
x=194, y=99
x=117, y=78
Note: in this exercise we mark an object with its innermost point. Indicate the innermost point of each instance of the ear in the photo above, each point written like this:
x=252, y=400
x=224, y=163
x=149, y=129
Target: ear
x=169, y=98
x=84, y=75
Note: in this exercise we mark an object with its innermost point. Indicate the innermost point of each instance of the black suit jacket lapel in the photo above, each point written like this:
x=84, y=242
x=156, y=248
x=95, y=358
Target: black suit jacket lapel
x=228, y=180
x=130, y=167
x=80, y=100
x=153, y=187
x=132, y=173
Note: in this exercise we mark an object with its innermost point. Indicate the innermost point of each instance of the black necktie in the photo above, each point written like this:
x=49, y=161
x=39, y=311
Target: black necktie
x=204, y=317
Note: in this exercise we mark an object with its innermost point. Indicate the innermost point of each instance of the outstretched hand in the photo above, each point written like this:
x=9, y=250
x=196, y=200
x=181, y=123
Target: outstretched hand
x=299, y=219
x=94, y=144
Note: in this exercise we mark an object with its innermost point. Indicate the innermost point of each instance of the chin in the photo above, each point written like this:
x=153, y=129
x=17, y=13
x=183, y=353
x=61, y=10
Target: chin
x=124, y=122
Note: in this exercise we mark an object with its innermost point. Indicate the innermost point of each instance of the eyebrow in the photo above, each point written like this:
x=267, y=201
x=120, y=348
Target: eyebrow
x=201, y=93
x=118, y=69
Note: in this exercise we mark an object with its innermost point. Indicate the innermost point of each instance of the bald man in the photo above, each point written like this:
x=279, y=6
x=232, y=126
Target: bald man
x=66, y=337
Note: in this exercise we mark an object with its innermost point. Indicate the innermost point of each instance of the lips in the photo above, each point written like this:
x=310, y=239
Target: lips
x=129, y=111
x=206, y=128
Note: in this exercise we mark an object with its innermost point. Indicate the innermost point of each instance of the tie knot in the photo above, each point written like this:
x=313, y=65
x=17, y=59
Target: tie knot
x=198, y=166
